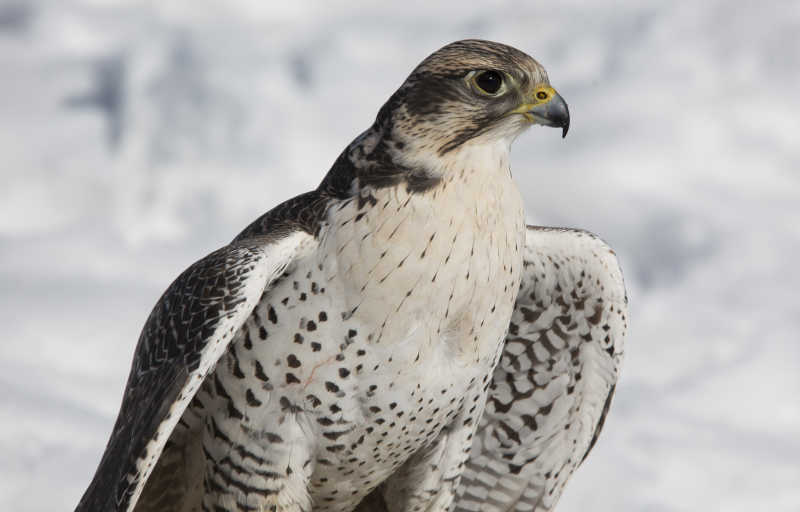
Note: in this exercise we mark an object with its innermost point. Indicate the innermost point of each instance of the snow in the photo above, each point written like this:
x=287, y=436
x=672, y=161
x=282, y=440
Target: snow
x=137, y=136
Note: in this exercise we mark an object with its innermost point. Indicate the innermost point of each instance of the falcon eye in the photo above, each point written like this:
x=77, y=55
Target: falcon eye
x=489, y=81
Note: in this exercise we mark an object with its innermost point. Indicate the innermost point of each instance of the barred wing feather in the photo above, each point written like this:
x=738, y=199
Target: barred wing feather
x=188, y=330
x=553, y=386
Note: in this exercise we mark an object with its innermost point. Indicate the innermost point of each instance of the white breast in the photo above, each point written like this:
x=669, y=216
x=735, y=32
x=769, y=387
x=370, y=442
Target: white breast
x=382, y=333
x=441, y=265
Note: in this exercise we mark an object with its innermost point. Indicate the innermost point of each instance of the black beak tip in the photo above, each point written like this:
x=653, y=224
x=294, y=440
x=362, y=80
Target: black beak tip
x=564, y=130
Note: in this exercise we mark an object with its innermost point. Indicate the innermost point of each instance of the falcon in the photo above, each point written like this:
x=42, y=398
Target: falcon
x=397, y=339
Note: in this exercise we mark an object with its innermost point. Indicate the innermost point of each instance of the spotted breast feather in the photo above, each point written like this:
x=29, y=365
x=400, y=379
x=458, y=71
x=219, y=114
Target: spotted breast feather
x=552, y=389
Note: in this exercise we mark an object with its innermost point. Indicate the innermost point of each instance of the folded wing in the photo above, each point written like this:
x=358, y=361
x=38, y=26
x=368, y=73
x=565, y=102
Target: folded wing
x=184, y=336
x=553, y=386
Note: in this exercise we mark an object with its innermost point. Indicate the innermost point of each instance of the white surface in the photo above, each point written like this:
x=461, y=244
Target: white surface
x=682, y=154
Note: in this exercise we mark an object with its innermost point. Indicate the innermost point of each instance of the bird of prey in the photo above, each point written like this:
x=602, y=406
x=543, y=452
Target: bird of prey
x=396, y=339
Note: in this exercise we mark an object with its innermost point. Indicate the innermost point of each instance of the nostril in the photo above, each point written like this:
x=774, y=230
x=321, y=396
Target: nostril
x=541, y=95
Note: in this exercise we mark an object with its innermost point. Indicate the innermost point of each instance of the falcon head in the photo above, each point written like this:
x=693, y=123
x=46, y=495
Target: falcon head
x=469, y=93
x=470, y=90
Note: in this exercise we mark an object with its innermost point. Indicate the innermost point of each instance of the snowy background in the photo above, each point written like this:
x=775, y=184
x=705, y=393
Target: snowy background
x=137, y=136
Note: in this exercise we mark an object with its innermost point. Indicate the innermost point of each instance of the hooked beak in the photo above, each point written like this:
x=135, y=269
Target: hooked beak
x=546, y=107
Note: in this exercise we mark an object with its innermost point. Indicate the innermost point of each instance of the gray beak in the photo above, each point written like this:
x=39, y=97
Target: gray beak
x=552, y=113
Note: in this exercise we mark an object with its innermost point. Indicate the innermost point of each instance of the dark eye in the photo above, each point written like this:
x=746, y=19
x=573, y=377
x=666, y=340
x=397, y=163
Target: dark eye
x=489, y=81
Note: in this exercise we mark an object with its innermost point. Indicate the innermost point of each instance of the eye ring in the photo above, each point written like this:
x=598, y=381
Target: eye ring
x=489, y=81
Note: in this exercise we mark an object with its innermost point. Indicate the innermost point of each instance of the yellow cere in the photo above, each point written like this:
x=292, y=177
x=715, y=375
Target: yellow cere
x=540, y=94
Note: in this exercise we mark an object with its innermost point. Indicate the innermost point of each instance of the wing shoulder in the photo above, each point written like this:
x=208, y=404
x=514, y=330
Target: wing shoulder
x=561, y=261
x=187, y=331
x=553, y=385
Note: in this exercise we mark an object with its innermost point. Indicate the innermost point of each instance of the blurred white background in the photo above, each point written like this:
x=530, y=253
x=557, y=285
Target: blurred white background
x=137, y=136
